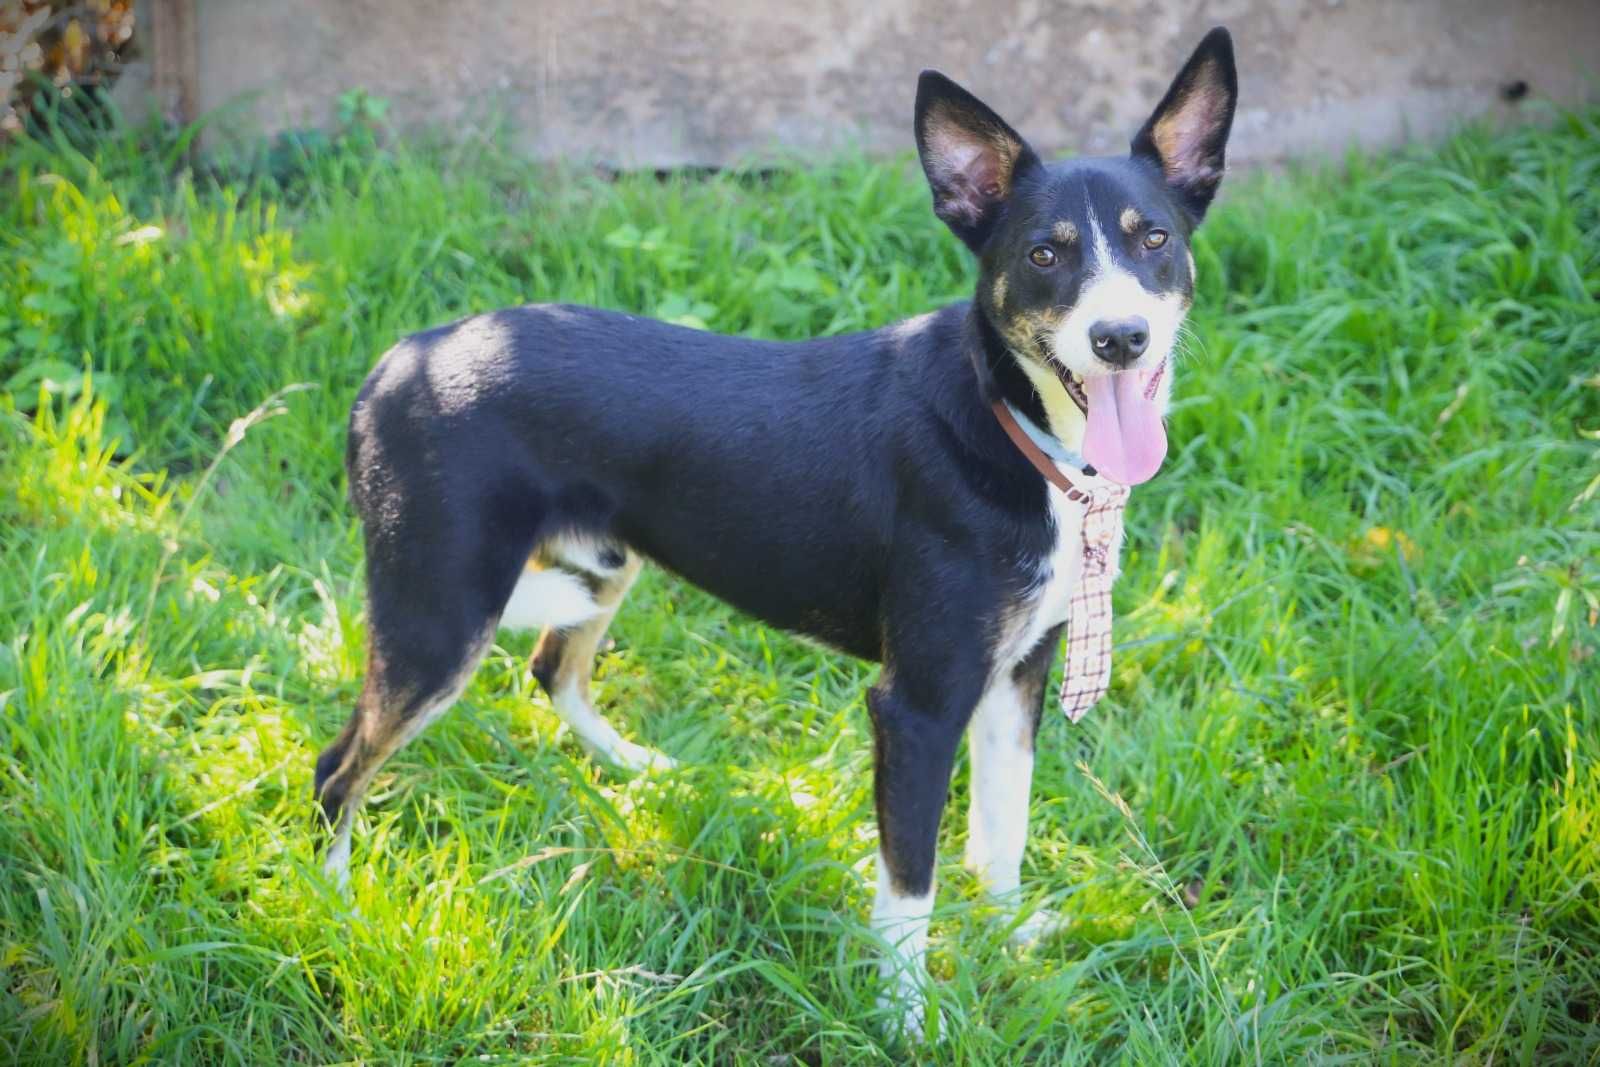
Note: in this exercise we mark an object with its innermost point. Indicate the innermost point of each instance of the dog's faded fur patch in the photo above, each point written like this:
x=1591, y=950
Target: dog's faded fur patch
x=1024, y=330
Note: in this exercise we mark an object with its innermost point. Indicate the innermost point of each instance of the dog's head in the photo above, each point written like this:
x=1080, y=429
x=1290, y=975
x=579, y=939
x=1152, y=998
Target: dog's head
x=1085, y=269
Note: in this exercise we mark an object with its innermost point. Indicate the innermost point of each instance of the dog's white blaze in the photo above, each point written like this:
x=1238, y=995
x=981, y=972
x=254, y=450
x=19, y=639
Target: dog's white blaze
x=1000, y=740
x=902, y=920
x=1110, y=292
x=548, y=597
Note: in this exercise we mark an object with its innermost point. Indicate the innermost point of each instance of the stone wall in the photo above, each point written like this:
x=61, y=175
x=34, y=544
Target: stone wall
x=661, y=83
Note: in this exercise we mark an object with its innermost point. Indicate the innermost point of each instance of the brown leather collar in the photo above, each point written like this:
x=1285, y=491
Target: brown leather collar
x=1041, y=462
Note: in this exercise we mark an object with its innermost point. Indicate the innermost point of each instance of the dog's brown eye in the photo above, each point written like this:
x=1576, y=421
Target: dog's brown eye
x=1043, y=256
x=1155, y=239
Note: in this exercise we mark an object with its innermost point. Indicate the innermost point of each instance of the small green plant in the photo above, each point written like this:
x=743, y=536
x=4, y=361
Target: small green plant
x=362, y=110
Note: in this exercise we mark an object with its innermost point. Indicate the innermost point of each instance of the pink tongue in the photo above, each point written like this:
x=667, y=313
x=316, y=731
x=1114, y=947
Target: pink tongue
x=1125, y=440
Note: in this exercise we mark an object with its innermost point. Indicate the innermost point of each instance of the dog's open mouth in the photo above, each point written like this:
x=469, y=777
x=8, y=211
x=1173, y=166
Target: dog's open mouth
x=1073, y=386
x=1125, y=439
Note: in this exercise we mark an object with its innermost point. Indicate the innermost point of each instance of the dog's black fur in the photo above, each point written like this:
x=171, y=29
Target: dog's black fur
x=856, y=489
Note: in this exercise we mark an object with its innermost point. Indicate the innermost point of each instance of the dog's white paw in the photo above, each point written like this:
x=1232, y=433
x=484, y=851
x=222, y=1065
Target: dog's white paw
x=906, y=1012
x=636, y=758
x=336, y=864
x=1038, y=925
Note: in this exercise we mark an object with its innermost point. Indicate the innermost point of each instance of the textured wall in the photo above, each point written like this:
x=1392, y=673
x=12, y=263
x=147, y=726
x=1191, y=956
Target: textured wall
x=659, y=83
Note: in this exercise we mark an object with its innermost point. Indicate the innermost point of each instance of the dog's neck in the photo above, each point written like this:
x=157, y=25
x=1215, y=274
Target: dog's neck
x=1065, y=421
x=1025, y=384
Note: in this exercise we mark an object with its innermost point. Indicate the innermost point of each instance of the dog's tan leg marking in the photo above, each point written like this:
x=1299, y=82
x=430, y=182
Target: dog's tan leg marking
x=564, y=661
x=380, y=732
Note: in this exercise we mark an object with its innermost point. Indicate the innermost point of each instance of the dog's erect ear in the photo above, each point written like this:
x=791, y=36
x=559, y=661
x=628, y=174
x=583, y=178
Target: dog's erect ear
x=1189, y=130
x=970, y=155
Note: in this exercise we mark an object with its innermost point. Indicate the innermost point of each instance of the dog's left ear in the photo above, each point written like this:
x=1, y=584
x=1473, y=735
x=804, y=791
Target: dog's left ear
x=971, y=157
x=1188, y=132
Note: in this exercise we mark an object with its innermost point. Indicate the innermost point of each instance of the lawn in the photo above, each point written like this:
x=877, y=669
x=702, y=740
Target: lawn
x=1342, y=804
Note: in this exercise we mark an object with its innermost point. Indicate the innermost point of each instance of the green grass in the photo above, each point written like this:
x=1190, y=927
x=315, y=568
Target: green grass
x=1342, y=805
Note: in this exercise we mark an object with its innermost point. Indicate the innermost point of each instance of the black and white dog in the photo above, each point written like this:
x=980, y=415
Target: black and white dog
x=515, y=468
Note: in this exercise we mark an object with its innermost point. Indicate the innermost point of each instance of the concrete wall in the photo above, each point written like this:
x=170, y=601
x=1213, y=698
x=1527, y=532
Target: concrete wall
x=661, y=83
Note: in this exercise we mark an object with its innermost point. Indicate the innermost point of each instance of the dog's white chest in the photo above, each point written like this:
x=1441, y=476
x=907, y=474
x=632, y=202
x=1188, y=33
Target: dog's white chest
x=1046, y=606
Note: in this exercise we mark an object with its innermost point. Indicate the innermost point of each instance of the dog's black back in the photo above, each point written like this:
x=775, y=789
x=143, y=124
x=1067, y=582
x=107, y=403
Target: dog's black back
x=756, y=470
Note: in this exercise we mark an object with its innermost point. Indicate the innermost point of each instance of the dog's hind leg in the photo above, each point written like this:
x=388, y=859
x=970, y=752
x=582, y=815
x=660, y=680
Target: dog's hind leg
x=388, y=715
x=385, y=720
x=433, y=599
x=564, y=659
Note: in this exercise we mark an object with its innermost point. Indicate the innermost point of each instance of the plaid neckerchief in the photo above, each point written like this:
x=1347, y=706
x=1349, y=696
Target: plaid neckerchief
x=1086, y=674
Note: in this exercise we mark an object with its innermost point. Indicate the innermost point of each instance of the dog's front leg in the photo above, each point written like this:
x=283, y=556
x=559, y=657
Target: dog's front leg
x=915, y=738
x=1000, y=742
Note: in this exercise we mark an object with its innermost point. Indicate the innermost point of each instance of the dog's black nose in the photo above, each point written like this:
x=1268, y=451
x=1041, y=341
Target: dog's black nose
x=1120, y=341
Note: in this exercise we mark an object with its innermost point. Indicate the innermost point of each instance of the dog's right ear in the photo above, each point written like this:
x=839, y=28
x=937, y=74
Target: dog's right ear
x=970, y=155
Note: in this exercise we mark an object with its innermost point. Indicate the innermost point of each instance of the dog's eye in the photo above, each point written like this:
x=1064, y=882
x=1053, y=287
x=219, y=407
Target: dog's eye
x=1155, y=239
x=1043, y=256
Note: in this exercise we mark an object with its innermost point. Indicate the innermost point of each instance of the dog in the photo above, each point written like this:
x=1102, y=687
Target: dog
x=915, y=495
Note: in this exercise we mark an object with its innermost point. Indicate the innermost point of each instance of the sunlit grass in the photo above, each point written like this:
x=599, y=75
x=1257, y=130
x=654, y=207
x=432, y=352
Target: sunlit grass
x=1343, y=802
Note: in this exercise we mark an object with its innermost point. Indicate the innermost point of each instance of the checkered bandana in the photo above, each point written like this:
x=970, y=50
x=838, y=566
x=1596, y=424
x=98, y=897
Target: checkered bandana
x=1087, y=672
